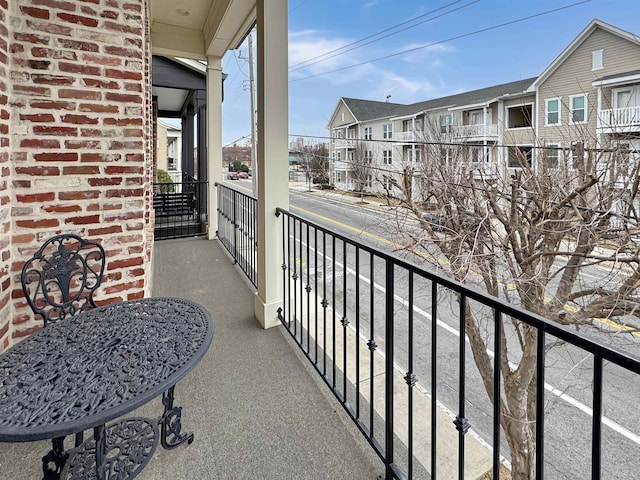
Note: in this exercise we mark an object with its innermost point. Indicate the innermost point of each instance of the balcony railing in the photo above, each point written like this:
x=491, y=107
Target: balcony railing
x=372, y=324
x=180, y=209
x=344, y=143
x=623, y=119
x=237, y=230
x=404, y=136
x=475, y=132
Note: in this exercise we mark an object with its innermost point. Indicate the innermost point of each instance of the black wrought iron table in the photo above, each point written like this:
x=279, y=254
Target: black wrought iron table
x=97, y=366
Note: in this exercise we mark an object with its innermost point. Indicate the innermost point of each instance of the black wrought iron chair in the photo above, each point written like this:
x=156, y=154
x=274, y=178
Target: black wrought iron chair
x=62, y=277
x=59, y=281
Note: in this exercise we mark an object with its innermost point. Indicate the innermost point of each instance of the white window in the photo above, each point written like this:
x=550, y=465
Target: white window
x=369, y=181
x=338, y=156
x=578, y=107
x=520, y=116
x=368, y=156
x=551, y=155
x=479, y=155
x=413, y=155
x=520, y=156
x=340, y=175
x=577, y=154
x=445, y=156
x=387, y=183
x=387, y=157
x=445, y=123
x=368, y=135
x=552, y=111
x=476, y=117
x=596, y=60
x=387, y=130
x=622, y=99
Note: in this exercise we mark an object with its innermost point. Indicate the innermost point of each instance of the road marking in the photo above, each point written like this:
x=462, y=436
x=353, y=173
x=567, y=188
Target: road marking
x=605, y=321
x=445, y=326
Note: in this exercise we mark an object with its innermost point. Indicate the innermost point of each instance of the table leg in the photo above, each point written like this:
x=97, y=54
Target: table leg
x=101, y=446
x=53, y=462
x=171, y=424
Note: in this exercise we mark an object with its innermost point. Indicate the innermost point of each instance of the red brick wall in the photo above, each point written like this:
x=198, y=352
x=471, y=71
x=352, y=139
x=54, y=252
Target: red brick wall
x=79, y=98
x=5, y=182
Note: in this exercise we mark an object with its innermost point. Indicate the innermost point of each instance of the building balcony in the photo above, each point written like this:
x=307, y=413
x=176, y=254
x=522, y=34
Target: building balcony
x=475, y=133
x=619, y=120
x=341, y=388
x=344, y=143
x=404, y=136
x=254, y=406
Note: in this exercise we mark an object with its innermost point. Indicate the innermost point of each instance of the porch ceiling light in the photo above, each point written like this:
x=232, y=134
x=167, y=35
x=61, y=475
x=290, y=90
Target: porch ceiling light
x=182, y=12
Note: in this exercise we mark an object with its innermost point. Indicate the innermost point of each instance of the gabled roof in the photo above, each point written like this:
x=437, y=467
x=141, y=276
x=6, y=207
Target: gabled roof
x=474, y=97
x=588, y=30
x=364, y=110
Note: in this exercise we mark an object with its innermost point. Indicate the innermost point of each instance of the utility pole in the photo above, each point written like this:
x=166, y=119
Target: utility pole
x=254, y=139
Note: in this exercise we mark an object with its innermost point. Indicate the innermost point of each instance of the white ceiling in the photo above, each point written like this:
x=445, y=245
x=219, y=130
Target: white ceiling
x=197, y=28
x=170, y=99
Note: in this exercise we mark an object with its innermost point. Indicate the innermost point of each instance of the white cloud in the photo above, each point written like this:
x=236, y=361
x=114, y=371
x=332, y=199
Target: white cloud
x=317, y=51
x=418, y=54
x=405, y=90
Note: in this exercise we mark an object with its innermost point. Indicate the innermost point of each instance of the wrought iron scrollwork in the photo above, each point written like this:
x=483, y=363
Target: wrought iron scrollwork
x=124, y=449
x=171, y=423
x=62, y=276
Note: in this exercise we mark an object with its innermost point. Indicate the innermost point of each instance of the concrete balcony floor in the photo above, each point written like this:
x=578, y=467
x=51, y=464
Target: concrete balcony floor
x=256, y=408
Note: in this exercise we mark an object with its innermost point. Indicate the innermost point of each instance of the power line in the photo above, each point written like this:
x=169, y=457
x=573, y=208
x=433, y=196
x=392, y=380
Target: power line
x=419, y=143
x=457, y=37
x=293, y=68
x=298, y=6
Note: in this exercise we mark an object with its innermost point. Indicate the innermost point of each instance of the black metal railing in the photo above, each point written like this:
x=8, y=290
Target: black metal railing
x=237, y=229
x=180, y=209
x=381, y=332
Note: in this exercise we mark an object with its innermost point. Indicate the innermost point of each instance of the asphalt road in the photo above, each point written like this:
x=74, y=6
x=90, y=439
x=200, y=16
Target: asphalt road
x=568, y=372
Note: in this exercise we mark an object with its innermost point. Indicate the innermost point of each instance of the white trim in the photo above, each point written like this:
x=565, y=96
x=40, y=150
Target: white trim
x=533, y=115
x=617, y=80
x=586, y=110
x=473, y=106
x=546, y=112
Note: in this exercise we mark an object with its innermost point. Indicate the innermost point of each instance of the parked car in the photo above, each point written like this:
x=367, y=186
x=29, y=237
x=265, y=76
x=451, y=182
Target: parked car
x=232, y=176
x=243, y=175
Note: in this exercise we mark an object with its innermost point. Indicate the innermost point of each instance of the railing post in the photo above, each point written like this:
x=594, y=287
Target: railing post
x=389, y=369
x=234, y=223
x=461, y=423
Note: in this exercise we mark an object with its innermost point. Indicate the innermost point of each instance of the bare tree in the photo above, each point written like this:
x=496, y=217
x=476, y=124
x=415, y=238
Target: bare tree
x=360, y=167
x=316, y=163
x=527, y=232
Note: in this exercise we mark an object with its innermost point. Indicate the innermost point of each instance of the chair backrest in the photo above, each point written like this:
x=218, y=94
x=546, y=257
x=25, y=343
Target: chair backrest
x=62, y=276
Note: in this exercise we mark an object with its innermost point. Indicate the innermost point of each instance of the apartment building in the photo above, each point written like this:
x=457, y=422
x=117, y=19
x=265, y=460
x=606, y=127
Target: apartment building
x=588, y=98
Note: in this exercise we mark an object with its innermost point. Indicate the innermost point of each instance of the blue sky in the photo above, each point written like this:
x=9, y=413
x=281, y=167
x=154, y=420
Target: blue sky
x=437, y=64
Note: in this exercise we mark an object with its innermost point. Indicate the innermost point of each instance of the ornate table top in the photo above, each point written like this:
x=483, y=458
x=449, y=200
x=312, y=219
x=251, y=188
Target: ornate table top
x=98, y=365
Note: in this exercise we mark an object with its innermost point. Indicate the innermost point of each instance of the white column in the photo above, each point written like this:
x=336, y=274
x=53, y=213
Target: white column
x=214, y=138
x=272, y=154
